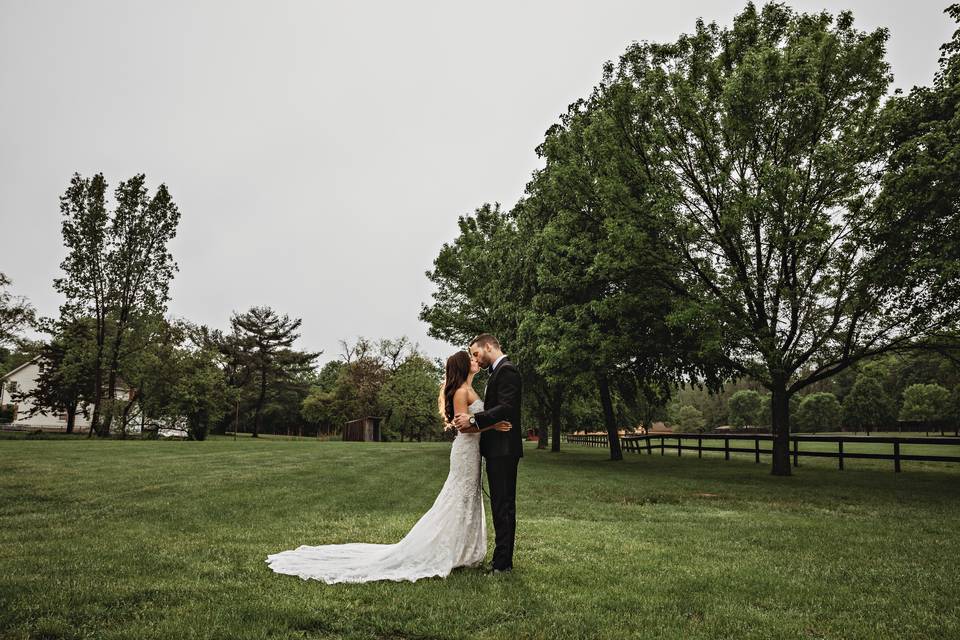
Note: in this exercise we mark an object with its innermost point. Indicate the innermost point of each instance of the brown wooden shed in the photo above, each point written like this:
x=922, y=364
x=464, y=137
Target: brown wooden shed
x=363, y=429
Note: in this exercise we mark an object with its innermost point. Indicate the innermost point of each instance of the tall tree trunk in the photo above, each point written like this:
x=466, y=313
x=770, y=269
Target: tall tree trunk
x=543, y=433
x=603, y=384
x=263, y=395
x=111, y=399
x=780, y=408
x=97, y=385
x=114, y=366
x=555, y=415
x=542, y=416
x=131, y=399
x=71, y=417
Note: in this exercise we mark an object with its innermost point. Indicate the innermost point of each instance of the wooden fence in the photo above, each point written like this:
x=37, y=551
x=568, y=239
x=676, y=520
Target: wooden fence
x=678, y=442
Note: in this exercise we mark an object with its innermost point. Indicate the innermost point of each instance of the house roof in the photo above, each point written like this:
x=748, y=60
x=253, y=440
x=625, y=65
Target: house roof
x=33, y=360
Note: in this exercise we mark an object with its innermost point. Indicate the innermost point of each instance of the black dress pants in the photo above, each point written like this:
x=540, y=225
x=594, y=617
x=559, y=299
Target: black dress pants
x=502, y=479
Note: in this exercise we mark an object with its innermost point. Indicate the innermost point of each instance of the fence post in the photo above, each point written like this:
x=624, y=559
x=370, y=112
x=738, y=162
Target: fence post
x=699, y=446
x=896, y=457
x=757, y=448
x=649, y=447
x=679, y=445
x=796, y=455
x=726, y=448
x=662, y=446
x=840, y=456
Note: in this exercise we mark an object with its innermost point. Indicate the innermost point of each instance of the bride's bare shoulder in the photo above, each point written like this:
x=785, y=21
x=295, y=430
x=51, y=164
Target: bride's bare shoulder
x=469, y=393
x=461, y=400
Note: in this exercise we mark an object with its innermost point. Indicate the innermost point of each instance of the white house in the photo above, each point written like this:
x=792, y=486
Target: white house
x=23, y=379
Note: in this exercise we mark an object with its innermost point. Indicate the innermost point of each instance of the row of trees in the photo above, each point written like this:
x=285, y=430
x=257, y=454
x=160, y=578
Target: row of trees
x=249, y=377
x=746, y=202
x=390, y=379
x=874, y=395
x=114, y=357
x=866, y=409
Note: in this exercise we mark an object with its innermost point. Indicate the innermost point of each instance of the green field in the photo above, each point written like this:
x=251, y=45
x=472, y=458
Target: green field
x=135, y=539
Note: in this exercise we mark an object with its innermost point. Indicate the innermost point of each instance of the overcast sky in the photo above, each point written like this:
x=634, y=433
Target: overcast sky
x=319, y=152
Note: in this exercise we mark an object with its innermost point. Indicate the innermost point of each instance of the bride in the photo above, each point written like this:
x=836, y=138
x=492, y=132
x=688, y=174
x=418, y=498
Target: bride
x=451, y=534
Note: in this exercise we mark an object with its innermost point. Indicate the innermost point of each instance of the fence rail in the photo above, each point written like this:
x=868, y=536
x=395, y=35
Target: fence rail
x=647, y=443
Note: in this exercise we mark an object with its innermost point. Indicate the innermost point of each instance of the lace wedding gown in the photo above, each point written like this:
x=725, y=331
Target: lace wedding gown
x=451, y=534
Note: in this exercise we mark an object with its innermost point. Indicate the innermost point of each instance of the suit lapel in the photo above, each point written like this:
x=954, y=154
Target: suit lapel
x=486, y=391
x=493, y=377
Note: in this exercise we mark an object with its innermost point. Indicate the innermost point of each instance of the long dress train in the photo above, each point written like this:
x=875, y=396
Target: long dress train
x=452, y=533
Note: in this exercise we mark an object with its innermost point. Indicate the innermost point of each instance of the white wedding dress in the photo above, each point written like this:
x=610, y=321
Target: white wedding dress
x=451, y=534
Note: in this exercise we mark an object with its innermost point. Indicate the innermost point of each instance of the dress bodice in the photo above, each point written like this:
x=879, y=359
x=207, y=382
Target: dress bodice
x=475, y=406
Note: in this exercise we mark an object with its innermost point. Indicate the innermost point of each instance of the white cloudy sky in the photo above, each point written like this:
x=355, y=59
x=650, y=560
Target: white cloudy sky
x=320, y=152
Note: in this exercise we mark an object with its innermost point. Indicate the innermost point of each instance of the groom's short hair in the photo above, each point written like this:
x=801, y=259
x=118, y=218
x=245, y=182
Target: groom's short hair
x=484, y=339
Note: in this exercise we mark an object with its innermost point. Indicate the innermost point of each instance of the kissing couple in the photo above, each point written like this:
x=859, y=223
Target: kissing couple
x=453, y=532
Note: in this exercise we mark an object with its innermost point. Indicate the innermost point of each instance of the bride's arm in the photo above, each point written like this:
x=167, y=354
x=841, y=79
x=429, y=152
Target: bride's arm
x=461, y=404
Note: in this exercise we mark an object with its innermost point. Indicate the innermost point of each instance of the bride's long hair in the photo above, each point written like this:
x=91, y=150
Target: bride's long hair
x=458, y=370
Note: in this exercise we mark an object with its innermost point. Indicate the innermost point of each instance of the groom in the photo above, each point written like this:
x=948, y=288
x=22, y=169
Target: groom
x=502, y=449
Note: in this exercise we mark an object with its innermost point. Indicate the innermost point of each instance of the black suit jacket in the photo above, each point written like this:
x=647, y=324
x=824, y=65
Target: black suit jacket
x=501, y=401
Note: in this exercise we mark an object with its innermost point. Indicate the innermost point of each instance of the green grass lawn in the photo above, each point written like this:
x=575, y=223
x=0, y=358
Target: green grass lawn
x=134, y=539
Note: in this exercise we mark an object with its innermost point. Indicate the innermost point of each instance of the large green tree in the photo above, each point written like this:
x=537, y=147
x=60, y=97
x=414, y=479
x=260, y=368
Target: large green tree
x=745, y=408
x=763, y=142
x=585, y=317
x=485, y=282
x=688, y=419
x=357, y=393
x=926, y=402
x=202, y=396
x=917, y=228
x=409, y=396
x=259, y=357
x=117, y=268
x=867, y=406
x=819, y=411
x=179, y=378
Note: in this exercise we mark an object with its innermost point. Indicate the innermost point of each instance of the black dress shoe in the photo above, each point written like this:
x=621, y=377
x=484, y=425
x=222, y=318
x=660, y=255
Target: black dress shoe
x=494, y=572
